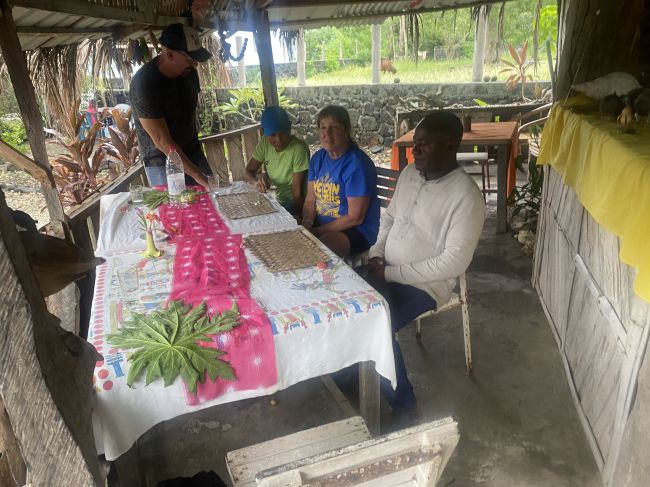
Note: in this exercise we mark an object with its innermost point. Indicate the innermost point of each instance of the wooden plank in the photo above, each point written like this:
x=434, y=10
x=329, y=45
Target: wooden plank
x=236, y=158
x=229, y=133
x=48, y=31
x=251, y=137
x=24, y=90
x=244, y=464
x=369, y=396
x=595, y=352
x=87, y=9
x=414, y=456
x=338, y=396
x=119, y=185
x=600, y=250
x=23, y=162
x=555, y=251
x=502, y=177
x=385, y=192
x=216, y=155
x=386, y=173
x=48, y=397
x=13, y=470
x=262, y=36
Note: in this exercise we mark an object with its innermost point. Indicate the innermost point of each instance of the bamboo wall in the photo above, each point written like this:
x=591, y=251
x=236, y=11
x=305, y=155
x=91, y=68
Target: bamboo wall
x=600, y=325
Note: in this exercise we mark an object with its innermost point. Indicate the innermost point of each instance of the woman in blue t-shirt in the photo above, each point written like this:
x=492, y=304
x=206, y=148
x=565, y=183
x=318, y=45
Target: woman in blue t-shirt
x=341, y=207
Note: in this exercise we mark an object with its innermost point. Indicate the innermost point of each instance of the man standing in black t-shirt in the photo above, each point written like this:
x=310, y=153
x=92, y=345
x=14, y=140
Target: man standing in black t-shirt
x=164, y=95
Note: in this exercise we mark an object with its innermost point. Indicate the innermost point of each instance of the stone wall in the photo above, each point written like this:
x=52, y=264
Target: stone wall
x=373, y=107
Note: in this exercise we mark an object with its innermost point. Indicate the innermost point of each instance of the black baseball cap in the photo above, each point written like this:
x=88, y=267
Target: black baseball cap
x=181, y=37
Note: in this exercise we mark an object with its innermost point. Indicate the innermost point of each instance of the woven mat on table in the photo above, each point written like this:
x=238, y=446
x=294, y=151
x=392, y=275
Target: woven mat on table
x=285, y=251
x=241, y=205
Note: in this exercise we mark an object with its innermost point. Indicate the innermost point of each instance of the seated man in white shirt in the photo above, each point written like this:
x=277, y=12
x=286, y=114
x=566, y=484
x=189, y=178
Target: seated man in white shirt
x=427, y=236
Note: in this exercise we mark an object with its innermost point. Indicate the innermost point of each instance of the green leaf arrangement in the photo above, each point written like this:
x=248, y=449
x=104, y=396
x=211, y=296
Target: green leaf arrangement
x=154, y=198
x=165, y=343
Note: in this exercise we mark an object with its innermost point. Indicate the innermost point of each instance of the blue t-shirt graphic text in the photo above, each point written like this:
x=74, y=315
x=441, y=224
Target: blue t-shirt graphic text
x=351, y=175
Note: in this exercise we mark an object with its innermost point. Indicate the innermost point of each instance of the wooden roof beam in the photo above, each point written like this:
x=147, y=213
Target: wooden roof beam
x=87, y=9
x=63, y=30
x=23, y=162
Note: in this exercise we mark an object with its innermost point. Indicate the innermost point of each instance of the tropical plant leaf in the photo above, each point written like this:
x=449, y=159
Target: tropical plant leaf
x=167, y=344
x=514, y=54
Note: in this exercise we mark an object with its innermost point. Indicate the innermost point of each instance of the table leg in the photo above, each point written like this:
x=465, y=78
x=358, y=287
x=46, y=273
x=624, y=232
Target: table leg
x=401, y=151
x=369, y=396
x=502, y=187
x=129, y=473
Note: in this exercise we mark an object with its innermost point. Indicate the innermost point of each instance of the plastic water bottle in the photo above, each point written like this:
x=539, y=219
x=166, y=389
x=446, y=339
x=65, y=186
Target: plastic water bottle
x=175, y=175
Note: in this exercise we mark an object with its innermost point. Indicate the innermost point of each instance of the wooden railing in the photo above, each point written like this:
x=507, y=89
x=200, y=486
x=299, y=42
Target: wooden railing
x=84, y=226
x=229, y=152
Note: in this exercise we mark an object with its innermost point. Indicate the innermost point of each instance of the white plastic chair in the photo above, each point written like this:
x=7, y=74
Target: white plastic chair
x=456, y=300
x=484, y=161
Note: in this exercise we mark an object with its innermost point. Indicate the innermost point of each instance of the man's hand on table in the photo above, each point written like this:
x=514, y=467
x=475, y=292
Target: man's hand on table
x=375, y=268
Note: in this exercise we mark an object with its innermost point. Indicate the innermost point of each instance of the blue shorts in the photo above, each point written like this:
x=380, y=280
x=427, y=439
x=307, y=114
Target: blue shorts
x=358, y=242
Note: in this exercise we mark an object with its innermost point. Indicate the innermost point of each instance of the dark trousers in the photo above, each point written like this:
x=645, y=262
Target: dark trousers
x=406, y=303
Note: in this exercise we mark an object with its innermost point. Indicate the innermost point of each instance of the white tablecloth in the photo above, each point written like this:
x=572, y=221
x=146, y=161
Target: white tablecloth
x=322, y=320
x=119, y=228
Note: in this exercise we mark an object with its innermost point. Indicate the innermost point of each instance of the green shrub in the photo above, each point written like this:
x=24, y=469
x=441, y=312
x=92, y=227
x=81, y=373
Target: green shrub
x=12, y=131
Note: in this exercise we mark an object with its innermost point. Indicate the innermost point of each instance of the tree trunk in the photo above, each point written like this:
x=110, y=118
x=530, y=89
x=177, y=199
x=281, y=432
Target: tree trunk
x=376, y=52
x=479, y=43
x=596, y=38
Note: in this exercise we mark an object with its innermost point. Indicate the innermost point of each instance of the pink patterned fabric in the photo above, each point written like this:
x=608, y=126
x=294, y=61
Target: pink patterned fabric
x=210, y=266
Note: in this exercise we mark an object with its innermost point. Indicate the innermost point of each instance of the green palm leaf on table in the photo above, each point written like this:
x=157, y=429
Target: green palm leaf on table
x=166, y=344
x=154, y=198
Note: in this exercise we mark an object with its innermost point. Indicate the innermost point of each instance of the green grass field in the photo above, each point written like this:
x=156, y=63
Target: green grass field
x=456, y=71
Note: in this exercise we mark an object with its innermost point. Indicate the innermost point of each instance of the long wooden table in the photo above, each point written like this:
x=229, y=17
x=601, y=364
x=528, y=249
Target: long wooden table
x=319, y=321
x=502, y=136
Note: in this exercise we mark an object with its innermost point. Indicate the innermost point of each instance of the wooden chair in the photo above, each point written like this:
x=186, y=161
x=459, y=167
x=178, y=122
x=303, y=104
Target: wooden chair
x=457, y=300
x=534, y=118
x=386, y=183
x=342, y=453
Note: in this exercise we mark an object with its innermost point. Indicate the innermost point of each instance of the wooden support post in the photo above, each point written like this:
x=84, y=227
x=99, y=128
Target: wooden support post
x=376, y=53
x=17, y=67
x=369, y=396
x=502, y=196
x=241, y=64
x=265, y=52
x=301, y=52
x=480, y=38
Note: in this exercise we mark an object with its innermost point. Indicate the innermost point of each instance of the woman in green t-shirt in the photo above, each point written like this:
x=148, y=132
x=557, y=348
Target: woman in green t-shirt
x=285, y=158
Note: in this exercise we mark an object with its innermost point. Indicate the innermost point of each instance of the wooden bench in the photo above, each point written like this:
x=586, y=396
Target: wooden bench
x=343, y=454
